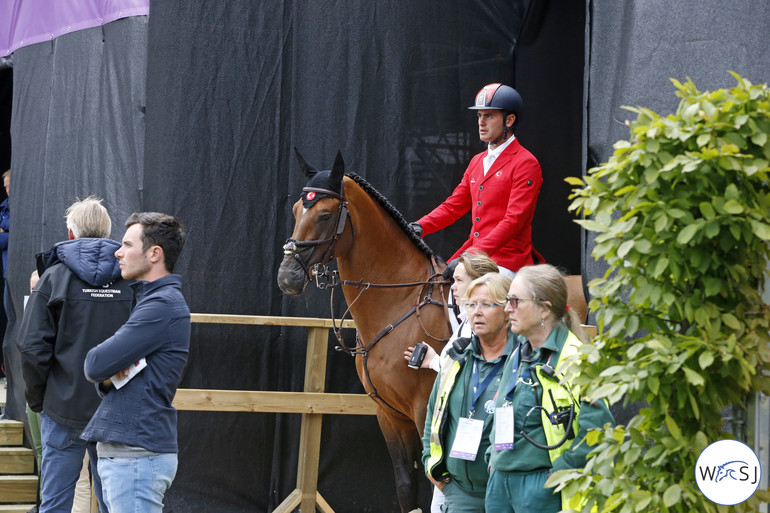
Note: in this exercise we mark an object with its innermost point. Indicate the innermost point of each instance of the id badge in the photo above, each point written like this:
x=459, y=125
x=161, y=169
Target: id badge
x=504, y=428
x=467, y=439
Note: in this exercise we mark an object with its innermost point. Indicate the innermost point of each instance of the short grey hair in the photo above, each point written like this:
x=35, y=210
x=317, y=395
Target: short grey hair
x=88, y=218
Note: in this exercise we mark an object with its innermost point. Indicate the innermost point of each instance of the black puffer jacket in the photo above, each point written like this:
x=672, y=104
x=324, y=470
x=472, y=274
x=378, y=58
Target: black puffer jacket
x=80, y=301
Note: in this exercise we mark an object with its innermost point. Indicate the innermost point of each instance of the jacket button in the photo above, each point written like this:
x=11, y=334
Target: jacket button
x=475, y=234
x=478, y=203
x=529, y=182
x=481, y=187
x=478, y=219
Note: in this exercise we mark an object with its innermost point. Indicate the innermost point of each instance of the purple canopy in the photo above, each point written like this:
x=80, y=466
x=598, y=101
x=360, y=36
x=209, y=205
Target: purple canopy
x=26, y=22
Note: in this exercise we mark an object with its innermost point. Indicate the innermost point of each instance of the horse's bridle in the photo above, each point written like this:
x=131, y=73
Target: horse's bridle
x=320, y=273
x=292, y=245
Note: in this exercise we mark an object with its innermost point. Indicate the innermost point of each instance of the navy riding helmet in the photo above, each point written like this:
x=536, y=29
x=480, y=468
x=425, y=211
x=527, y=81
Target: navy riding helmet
x=501, y=97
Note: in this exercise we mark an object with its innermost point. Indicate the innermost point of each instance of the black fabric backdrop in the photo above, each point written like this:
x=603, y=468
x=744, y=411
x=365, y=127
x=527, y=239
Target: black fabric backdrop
x=194, y=111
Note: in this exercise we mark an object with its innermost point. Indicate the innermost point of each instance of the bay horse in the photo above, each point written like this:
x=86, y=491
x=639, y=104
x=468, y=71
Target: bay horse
x=395, y=293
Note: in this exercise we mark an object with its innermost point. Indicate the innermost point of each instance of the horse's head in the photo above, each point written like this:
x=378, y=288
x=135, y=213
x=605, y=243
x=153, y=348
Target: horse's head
x=728, y=470
x=319, y=219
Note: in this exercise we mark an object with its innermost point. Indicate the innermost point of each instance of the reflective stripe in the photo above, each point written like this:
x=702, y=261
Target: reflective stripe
x=447, y=376
x=554, y=434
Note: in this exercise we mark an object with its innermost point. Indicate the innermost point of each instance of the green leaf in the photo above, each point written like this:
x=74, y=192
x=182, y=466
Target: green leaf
x=673, y=429
x=660, y=266
x=672, y=495
x=592, y=437
x=687, y=234
x=573, y=180
x=625, y=190
x=731, y=321
x=761, y=230
x=707, y=210
x=654, y=384
x=611, y=371
x=760, y=138
x=643, y=246
x=694, y=406
x=591, y=225
x=703, y=139
x=676, y=213
x=625, y=248
x=701, y=442
x=705, y=359
x=733, y=207
x=693, y=377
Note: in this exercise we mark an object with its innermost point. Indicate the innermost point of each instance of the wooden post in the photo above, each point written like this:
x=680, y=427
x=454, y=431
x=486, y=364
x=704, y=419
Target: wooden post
x=306, y=494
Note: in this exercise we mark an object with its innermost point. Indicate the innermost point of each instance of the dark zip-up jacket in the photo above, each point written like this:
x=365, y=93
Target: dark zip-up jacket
x=140, y=414
x=79, y=301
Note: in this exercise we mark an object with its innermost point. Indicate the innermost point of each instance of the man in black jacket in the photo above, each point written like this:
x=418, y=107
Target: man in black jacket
x=80, y=300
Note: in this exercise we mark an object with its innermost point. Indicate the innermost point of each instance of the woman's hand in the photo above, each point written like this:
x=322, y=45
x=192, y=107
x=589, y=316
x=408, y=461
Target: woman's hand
x=439, y=484
x=429, y=355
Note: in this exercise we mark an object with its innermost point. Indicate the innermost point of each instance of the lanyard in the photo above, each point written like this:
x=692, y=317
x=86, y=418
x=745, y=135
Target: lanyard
x=478, y=390
x=514, y=381
x=523, y=378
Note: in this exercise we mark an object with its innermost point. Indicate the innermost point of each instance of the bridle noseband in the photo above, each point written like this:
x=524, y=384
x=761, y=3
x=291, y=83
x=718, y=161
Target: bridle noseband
x=292, y=245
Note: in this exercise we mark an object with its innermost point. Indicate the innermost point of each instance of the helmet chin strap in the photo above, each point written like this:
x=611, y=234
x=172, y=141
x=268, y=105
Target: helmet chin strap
x=503, y=137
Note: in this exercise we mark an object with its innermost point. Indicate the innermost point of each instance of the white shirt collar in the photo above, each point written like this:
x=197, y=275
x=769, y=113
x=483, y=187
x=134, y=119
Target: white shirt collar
x=492, y=154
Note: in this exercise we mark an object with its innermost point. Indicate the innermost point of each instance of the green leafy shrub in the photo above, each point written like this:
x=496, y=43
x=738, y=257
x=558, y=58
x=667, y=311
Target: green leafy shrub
x=681, y=215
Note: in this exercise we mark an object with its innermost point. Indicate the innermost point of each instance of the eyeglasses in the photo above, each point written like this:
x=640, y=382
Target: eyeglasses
x=485, y=307
x=514, y=301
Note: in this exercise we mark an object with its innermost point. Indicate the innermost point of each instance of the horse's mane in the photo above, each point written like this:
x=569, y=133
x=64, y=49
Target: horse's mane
x=392, y=211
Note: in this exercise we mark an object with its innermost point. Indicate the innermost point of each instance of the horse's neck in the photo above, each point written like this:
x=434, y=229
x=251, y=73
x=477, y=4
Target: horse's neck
x=380, y=253
x=380, y=247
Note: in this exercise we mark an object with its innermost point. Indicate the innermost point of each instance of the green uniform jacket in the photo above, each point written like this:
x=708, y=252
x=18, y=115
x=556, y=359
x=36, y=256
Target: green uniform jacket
x=455, y=377
x=525, y=457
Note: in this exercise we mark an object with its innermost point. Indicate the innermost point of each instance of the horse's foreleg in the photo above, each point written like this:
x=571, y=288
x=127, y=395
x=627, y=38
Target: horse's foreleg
x=405, y=448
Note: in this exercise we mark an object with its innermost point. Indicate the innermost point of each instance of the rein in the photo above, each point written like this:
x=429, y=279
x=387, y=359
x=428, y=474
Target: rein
x=363, y=350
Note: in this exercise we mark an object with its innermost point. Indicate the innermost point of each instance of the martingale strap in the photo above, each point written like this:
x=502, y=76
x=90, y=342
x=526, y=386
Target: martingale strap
x=365, y=349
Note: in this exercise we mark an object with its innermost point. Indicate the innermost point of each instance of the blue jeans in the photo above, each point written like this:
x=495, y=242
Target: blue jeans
x=137, y=485
x=63, y=453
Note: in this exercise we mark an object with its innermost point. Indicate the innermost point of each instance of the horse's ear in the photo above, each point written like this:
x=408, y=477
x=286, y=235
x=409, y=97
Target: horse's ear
x=338, y=169
x=309, y=170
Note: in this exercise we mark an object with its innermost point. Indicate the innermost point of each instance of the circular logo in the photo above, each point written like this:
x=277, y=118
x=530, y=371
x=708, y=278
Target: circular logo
x=310, y=195
x=727, y=472
x=489, y=406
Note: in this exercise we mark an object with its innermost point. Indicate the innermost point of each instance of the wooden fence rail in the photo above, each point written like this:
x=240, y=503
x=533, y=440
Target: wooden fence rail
x=312, y=403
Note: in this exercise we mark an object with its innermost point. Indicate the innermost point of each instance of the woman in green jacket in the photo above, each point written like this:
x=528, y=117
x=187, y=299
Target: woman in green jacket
x=539, y=419
x=459, y=418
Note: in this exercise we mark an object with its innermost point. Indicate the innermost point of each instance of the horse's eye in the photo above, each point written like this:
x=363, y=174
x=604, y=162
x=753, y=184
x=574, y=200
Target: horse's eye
x=323, y=217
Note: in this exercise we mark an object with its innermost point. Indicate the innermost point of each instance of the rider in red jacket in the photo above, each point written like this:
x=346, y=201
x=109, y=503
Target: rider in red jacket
x=499, y=187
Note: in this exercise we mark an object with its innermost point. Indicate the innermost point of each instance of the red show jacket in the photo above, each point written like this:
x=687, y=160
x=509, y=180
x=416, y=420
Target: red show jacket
x=502, y=205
